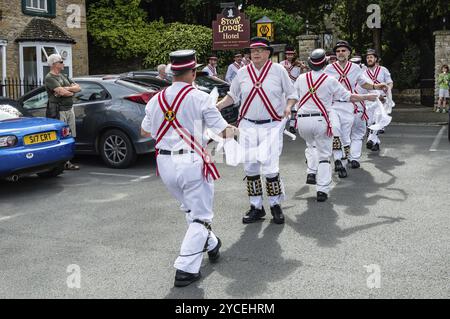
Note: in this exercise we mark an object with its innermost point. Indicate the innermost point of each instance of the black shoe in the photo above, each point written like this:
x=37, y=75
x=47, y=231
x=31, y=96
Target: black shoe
x=354, y=164
x=214, y=254
x=381, y=131
x=321, y=196
x=376, y=147
x=311, y=179
x=183, y=279
x=277, y=213
x=369, y=145
x=337, y=165
x=253, y=215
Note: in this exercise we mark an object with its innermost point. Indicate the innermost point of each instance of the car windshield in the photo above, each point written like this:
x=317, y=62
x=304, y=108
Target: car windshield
x=206, y=80
x=8, y=112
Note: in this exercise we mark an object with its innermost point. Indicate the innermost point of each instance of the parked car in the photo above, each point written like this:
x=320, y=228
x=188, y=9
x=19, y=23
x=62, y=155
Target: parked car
x=203, y=82
x=108, y=112
x=33, y=145
x=7, y=101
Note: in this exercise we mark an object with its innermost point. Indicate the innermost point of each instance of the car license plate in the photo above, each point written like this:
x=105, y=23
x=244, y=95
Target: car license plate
x=39, y=138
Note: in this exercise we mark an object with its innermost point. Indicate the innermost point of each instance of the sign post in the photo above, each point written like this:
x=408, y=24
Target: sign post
x=264, y=28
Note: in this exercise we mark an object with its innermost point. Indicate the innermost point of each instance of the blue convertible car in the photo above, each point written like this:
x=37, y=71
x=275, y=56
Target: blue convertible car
x=33, y=146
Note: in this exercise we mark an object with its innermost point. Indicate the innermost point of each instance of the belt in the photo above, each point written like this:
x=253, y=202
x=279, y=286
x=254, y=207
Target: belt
x=310, y=114
x=260, y=121
x=166, y=152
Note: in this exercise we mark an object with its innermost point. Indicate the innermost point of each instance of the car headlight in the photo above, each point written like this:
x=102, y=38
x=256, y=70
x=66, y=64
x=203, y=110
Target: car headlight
x=8, y=141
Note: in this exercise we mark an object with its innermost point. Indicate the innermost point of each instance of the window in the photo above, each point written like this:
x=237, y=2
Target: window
x=38, y=101
x=41, y=8
x=40, y=5
x=90, y=92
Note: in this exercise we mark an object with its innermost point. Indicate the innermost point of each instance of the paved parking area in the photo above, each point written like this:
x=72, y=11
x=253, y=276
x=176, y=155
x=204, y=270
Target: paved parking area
x=384, y=233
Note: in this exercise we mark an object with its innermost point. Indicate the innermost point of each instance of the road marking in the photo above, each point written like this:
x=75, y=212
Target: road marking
x=114, y=198
x=112, y=174
x=437, y=139
x=9, y=217
x=141, y=178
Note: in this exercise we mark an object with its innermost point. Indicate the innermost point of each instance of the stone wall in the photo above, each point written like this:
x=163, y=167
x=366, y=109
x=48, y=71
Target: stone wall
x=441, y=55
x=306, y=44
x=14, y=21
x=407, y=96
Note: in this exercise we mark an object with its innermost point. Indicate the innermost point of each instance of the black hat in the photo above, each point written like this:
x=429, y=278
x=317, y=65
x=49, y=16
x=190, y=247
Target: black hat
x=317, y=59
x=183, y=60
x=342, y=43
x=372, y=52
x=257, y=42
x=289, y=50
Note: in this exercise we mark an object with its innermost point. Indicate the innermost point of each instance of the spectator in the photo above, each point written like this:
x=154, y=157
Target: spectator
x=161, y=72
x=60, y=90
x=443, y=81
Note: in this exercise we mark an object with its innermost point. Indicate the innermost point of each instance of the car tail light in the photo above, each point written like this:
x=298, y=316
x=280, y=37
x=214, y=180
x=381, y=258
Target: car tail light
x=65, y=132
x=141, y=98
x=8, y=141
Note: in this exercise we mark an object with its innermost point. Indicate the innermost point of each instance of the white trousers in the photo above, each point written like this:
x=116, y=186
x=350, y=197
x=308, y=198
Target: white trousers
x=318, y=149
x=342, y=122
x=183, y=177
x=357, y=136
x=267, y=141
x=373, y=135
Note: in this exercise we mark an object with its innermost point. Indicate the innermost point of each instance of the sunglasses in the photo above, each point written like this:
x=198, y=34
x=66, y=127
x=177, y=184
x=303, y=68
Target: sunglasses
x=338, y=51
x=60, y=62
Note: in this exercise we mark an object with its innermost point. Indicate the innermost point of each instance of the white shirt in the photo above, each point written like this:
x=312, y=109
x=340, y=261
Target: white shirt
x=212, y=71
x=330, y=90
x=381, y=73
x=355, y=76
x=277, y=85
x=233, y=68
x=196, y=113
x=293, y=71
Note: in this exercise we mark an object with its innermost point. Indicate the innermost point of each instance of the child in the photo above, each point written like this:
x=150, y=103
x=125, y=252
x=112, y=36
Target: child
x=443, y=82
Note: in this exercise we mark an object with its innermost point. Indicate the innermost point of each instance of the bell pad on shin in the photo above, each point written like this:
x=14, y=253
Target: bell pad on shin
x=254, y=185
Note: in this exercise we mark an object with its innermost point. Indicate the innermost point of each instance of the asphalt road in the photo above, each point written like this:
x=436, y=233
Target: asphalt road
x=384, y=233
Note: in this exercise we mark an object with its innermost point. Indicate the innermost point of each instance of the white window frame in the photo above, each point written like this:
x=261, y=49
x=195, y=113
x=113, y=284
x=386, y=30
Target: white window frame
x=3, y=44
x=39, y=9
x=39, y=48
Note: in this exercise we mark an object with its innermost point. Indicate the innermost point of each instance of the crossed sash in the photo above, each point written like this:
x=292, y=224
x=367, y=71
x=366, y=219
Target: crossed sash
x=258, y=89
x=312, y=94
x=170, y=120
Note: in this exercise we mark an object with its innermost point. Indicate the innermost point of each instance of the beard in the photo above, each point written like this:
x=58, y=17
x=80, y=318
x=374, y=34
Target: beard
x=371, y=64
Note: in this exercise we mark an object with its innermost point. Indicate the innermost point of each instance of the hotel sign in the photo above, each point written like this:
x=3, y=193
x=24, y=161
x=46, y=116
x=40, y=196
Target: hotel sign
x=231, y=30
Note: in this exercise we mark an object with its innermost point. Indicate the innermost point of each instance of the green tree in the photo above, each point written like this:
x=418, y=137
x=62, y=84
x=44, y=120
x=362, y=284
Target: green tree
x=178, y=36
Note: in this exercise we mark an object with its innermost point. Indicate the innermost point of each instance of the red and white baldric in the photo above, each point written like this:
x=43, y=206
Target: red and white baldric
x=312, y=93
x=289, y=67
x=170, y=120
x=343, y=78
x=258, y=89
x=364, y=115
x=213, y=70
x=237, y=65
x=374, y=75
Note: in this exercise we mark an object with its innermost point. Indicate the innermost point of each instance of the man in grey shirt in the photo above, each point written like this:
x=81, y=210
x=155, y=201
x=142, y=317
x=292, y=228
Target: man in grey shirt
x=60, y=90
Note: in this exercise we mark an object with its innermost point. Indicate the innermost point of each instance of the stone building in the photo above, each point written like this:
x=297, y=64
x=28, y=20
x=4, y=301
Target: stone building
x=31, y=30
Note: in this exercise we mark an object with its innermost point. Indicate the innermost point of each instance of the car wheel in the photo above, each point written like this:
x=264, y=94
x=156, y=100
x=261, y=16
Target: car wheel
x=58, y=170
x=116, y=149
